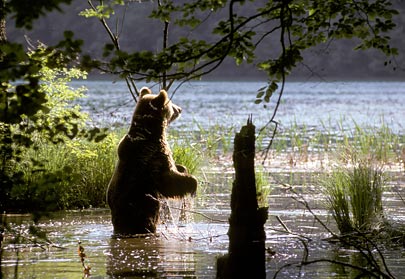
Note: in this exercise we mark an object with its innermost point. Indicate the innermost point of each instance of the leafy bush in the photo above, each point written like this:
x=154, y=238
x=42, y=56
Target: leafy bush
x=33, y=158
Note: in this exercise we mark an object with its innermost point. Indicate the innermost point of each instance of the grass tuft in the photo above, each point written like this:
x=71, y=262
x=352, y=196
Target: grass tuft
x=187, y=155
x=263, y=189
x=355, y=197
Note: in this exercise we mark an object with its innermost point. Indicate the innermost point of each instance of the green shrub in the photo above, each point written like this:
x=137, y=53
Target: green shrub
x=93, y=167
x=46, y=118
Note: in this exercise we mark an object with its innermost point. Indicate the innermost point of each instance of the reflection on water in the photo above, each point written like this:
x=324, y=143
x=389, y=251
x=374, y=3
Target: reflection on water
x=190, y=250
x=155, y=257
x=178, y=252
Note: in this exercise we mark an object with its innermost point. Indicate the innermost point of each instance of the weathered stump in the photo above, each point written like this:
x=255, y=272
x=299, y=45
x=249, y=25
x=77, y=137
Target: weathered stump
x=246, y=253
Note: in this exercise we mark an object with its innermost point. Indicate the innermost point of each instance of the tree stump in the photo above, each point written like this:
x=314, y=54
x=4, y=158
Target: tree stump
x=246, y=253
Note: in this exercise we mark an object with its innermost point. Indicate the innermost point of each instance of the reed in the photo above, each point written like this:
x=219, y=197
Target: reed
x=263, y=189
x=365, y=191
x=355, y=197
x=215, y=140
x=379, y=144
x=338, y=200
x=349, y=140
x=187, y=154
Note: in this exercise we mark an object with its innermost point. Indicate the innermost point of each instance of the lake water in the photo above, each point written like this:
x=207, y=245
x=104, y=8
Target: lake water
x=189, y=250
x=230, y=103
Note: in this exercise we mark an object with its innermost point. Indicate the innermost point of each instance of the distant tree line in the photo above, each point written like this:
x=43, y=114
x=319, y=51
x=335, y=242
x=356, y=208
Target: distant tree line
x=332, y=60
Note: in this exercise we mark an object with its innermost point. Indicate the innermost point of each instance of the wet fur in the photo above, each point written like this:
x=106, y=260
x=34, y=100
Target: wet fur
x=145, y=170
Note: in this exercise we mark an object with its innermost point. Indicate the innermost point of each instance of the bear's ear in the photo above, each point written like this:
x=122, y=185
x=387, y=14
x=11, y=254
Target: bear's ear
x=160, y=100
x=145, y=91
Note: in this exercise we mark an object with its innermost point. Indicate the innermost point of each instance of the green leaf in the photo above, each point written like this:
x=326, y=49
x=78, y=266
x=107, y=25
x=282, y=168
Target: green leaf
x=260, y=94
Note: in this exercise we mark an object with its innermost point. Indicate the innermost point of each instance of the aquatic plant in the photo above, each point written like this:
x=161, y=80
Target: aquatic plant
x=187, y=155
x=355, y=197
x=338, y=201
x=81, y=168
x=370, y=260
x=377, y=144
x=216, y=139
x=263, y=189
x=82, y=171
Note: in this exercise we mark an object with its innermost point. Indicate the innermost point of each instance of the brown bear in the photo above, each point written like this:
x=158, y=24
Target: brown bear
x=146, y=170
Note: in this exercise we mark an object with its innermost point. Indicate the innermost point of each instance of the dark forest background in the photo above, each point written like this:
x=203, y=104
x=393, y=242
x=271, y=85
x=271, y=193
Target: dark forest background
x=332, y=61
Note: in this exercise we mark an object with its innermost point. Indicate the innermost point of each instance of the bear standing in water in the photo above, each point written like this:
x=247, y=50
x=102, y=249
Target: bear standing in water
x=146, y=171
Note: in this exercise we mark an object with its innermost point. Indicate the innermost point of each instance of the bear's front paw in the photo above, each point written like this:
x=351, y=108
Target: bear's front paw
x=193, y=187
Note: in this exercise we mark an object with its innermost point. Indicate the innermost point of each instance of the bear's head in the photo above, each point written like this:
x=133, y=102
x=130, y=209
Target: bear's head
x=156, y=106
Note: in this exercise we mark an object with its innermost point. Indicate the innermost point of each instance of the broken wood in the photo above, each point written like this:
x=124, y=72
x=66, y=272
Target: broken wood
x=246, y=252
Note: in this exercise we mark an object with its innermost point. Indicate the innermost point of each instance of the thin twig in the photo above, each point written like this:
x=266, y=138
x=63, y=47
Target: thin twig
x=365, y=251
x=283, y=79
x=114, y=38
x=165, y=43
x=297, y=235
x=365, y=271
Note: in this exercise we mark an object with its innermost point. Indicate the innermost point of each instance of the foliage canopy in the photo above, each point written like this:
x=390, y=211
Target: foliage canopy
x=289, y=26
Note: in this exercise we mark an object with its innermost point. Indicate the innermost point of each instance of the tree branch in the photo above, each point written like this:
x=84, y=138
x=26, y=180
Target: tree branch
x=129, y=81
x=284, y=27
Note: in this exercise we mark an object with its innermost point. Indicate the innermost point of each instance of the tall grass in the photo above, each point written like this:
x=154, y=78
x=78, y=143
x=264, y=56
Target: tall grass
x=94, y=168
x=82, y=171
x=372, y=143
x=215, y=140
x=355, y=197
x=338, y=200
x=348, y=141
x=83, y=168
x=187, y=155
x=263, y=188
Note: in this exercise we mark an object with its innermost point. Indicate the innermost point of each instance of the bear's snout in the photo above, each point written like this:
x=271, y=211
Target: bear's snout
x=176, y=112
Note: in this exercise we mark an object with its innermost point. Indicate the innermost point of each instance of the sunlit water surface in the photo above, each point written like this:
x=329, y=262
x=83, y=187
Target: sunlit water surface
x=189, y=249
x=314, y=104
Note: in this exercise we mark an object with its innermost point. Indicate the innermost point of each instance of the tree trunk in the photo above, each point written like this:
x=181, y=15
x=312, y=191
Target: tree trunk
x=246, y=256
x=3, y=37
